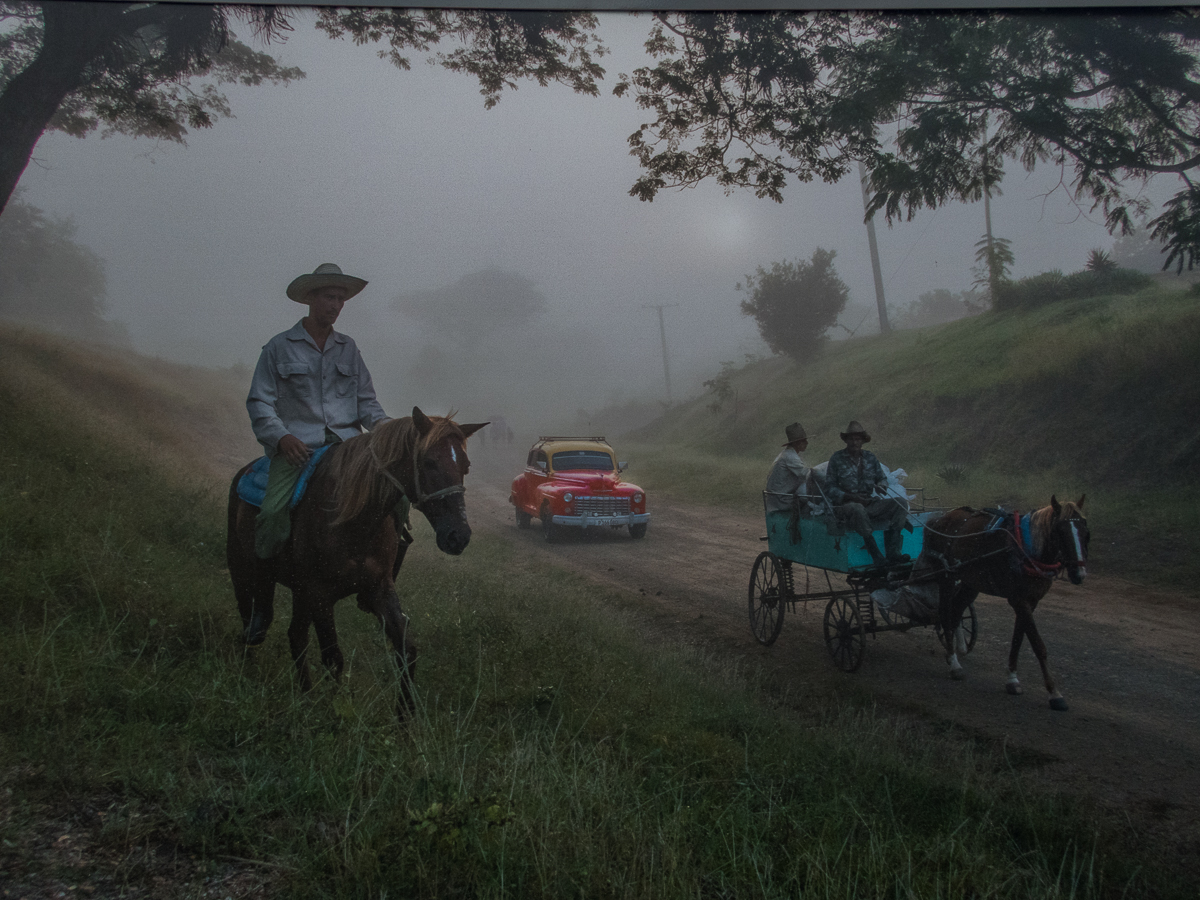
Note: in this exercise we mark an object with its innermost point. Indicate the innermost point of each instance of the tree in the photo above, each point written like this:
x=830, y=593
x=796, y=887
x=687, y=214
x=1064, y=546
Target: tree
x=48, y=280
x=127, y=66
x=938, y=306
x=1138, y=250
x=932, y=104
x=795, y=303
x=478, y=304
x=155, y=69
x=1100, y=261
x=994, y=259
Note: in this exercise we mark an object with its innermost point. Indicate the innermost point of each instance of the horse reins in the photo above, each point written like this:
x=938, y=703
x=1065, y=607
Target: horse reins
x=1030, y=565
x=422, y=497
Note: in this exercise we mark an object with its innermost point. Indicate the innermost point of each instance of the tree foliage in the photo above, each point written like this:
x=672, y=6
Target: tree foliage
x=1138, y=250
x=48, y=280
x=993, y=263
x=145, y=69
x=498, y=48
x=937, y=307
x=155, y=69
x=796, y=303
x=932, y=104
x=477, y=305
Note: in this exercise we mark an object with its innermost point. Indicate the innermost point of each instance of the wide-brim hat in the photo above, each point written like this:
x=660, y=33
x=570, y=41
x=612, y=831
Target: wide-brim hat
x=855, y=429
x=324, y=275
x=795, y=432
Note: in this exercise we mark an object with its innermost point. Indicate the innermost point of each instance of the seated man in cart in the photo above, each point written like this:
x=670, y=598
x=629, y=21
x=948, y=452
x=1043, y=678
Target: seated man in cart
x=786, y=494
x=856, y=486
x=787, y=482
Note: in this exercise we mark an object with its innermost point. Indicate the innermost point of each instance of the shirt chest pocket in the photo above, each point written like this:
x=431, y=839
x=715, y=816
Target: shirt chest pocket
x=345, y=380
x=294, y=379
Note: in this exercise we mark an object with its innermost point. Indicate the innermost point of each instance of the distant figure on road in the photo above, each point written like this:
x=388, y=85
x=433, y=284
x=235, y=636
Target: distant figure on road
x=310, y=388
x=857, y=488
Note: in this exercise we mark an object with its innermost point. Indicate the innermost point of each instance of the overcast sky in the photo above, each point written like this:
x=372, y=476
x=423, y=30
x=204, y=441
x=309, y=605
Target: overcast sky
x=403, y=178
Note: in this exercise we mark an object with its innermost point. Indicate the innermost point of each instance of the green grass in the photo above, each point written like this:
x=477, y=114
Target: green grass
x=555, y=752
x=1093, y=396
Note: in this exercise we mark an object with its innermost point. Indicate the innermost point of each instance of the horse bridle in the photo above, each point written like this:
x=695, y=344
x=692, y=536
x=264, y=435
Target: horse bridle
x=422, y=498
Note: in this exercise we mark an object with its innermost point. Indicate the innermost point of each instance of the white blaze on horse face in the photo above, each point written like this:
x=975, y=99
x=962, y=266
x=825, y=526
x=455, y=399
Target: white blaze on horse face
x=1078, y=547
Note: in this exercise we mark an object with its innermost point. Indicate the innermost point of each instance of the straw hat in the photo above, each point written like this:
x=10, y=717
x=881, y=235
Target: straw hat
x=324, y=275
x=795, y=433
x=855, y=429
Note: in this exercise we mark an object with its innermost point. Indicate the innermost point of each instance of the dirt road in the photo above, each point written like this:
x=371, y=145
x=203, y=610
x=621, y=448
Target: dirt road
x=1126, y=658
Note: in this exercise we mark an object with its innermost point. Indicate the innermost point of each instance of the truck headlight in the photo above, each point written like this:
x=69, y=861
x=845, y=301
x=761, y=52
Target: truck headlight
x=568, y=497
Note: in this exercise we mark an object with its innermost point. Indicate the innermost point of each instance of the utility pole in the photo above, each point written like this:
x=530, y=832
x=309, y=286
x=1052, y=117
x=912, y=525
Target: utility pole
x=884, y=327
x=662, y=334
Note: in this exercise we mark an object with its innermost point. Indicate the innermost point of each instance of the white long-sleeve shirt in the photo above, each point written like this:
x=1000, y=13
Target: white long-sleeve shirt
x=299, y=389
x=786, y=480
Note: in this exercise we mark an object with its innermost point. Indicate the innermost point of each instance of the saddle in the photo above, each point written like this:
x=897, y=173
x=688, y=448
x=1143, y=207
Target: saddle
x=252, y=486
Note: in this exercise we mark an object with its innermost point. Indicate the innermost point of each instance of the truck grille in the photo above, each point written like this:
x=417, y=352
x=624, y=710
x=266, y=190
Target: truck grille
x=603, y=506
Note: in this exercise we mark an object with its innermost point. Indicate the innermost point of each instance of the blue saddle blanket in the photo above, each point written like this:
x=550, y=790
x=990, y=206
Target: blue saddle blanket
x=252, y=487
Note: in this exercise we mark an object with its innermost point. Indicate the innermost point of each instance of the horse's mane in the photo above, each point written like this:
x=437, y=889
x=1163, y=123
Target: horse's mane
x=358, y=483
x=1040, y=521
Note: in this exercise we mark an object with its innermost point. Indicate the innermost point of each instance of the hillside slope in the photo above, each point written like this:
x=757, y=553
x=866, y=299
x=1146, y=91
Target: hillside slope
x=192, y=420
x=1093, y=396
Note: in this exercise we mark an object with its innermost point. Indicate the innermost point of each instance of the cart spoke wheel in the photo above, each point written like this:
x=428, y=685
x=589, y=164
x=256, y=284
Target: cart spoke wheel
x=766, y=598
x=844, y=637
x=970, y=625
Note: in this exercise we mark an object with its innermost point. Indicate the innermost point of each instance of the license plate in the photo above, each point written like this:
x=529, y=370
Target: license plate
x=602, y=520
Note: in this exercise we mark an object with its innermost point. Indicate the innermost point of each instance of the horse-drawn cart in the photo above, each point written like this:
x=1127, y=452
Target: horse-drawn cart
x=806, y=553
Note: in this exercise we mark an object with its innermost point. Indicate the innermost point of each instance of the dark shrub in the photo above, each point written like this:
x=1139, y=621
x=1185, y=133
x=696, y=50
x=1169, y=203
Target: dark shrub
x=1053, y=286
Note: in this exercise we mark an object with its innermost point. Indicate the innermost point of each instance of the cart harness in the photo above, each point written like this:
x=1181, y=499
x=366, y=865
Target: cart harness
x=1022, y=536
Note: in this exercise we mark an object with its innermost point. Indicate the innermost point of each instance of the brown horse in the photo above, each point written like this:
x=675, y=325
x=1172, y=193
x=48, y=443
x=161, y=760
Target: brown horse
x=348, y=536
x=975, y=551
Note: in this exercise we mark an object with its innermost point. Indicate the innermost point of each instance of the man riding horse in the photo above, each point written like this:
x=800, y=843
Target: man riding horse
x=310, y=388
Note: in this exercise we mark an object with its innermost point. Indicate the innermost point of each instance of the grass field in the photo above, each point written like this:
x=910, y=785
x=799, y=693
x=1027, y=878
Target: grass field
x=555, y=752
x=1094, y=397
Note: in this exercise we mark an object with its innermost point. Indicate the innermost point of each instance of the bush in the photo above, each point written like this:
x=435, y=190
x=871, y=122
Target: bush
x=1053, y=286
x=796, y=303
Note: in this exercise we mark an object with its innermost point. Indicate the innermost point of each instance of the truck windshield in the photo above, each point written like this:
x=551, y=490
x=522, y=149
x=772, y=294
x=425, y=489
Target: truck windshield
x=593, y=460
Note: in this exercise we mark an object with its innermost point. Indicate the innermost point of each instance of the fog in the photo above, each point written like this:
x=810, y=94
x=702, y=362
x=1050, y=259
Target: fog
x=403, y=178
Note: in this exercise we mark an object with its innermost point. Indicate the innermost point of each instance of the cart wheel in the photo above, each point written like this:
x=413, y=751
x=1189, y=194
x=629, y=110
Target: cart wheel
x=970, y=625
x=766, y=598
x=844, y=636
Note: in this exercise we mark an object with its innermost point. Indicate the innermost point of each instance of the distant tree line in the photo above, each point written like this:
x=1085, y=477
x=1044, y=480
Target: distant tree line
x=48, y=280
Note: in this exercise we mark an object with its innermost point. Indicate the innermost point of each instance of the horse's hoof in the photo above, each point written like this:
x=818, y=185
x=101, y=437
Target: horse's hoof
x=256, y=632
x=1013, y=688
x=1058, y=704
x=957, y=674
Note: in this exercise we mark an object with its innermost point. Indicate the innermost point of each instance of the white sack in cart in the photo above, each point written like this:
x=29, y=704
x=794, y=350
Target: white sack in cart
x=916, y=601
x=895, y=483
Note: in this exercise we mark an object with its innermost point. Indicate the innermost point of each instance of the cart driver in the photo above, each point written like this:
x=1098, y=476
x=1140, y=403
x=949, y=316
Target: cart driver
x=856, y=486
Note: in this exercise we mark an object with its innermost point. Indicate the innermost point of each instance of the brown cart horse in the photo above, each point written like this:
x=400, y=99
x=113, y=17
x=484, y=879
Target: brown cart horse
x=347, y=538
x=978, y=555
